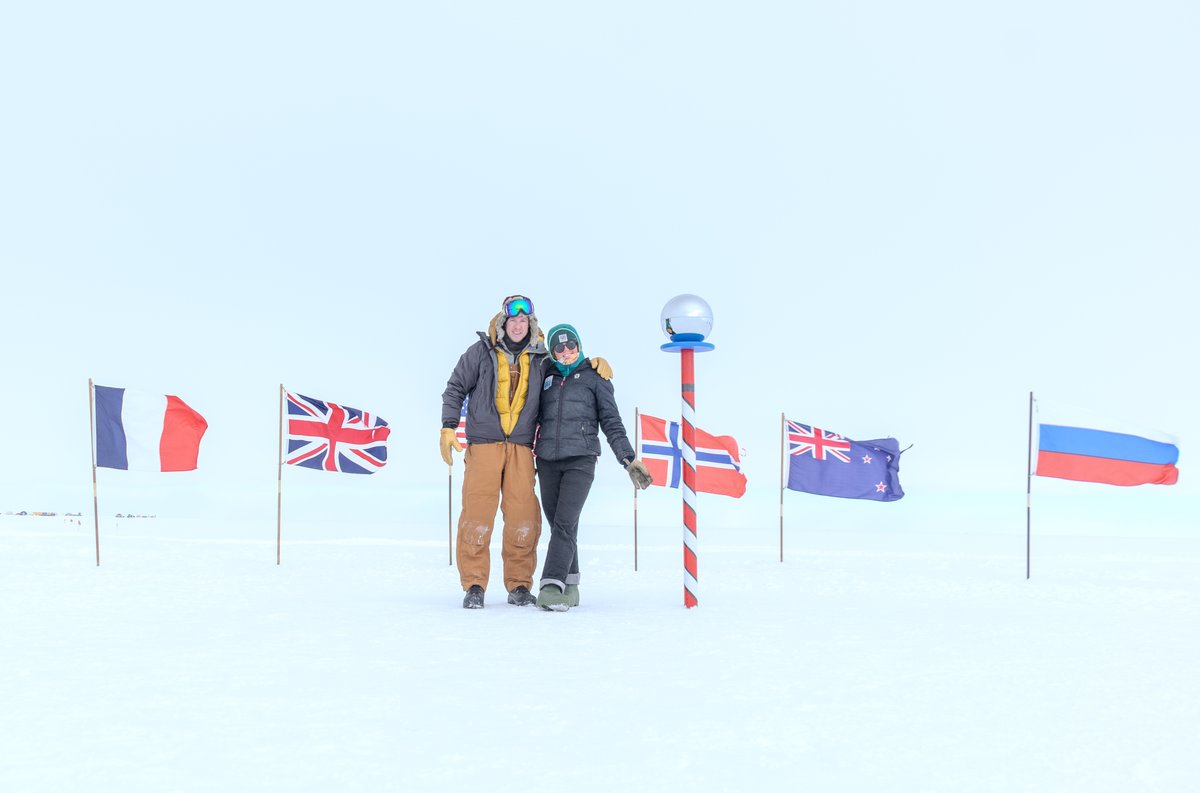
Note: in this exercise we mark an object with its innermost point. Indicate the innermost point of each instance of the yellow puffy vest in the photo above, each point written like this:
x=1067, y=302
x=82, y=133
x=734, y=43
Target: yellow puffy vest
x=510, y=411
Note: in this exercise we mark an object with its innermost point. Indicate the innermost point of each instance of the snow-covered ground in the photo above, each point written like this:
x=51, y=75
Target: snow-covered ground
x=865, y=661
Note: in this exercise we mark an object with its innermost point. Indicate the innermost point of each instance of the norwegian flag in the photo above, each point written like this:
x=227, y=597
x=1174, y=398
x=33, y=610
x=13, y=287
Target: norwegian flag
x=326, y=436
x=718, y=458
x=828, y=464
x=461, y=432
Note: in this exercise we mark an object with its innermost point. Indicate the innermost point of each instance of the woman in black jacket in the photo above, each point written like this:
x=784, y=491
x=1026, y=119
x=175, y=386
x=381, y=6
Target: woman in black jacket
x=576, y=403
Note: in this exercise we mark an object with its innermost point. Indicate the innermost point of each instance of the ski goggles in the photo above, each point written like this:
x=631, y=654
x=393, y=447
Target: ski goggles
x=517, y=304
x=565, y=345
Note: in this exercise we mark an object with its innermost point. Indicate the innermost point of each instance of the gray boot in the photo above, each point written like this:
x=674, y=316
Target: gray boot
x=521, y=596
x=551, y=598
x=572, y=594
x=474, y=597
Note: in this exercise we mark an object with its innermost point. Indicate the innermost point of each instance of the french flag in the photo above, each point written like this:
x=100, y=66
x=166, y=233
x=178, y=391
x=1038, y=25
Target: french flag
x=146, y=432
x=1091, y=450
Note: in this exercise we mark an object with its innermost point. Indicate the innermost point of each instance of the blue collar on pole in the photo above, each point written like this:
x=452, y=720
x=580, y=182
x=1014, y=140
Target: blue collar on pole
x=687, y=341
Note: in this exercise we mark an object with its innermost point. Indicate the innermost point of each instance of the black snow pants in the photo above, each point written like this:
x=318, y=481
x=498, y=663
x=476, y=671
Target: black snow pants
x=564, y=486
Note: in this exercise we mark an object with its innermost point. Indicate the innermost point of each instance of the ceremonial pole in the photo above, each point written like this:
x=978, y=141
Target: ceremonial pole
x=687, y=319
x=687, y=385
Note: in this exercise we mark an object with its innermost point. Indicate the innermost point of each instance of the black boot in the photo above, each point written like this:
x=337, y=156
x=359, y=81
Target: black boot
x=474, y=598
x=521, y=596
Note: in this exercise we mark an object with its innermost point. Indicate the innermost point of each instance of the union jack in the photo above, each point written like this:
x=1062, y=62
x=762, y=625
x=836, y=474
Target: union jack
x=329, y=437
x=817, y=442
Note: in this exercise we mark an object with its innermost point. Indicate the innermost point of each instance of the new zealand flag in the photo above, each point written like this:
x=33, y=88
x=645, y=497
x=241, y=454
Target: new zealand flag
x=828, y=464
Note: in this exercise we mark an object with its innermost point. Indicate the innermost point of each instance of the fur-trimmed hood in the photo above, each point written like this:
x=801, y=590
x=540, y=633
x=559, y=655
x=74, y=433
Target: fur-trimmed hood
x=537, y=339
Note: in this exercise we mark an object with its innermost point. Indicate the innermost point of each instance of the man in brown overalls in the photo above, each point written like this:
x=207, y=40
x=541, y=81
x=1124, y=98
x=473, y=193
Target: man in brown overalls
x=500, y=374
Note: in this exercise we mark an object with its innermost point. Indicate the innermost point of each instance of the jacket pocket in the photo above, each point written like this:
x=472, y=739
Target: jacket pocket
x=591, y=436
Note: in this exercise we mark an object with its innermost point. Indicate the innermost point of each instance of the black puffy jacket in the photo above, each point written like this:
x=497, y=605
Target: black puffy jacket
x=573, y=409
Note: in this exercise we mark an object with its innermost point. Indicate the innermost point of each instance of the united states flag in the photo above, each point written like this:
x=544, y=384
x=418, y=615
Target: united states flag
x=329, y=437
x=461, y=432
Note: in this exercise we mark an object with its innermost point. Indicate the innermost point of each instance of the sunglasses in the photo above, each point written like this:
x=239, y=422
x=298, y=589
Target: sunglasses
x=565, y=345
x=517, y=304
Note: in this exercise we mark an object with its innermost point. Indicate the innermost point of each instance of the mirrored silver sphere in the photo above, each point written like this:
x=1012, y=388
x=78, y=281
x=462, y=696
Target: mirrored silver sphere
x=686, y=314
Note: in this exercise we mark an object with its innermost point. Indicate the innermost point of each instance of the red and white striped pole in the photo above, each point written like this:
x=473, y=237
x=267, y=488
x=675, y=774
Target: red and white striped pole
x=687, y=385
x=687, y=319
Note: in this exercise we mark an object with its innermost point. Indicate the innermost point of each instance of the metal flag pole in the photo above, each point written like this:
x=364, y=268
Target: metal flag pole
x=637, y=429
x=1028, y=487
x=462, y=425
x=95, y=500
x=782, y=457
x=279, y=484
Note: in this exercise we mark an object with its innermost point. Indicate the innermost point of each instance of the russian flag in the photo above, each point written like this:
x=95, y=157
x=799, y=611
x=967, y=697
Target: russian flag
x=1091, y=450
x=146, y=432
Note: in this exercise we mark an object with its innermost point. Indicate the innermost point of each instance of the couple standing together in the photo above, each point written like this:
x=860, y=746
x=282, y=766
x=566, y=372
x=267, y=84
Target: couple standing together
x=525, y=389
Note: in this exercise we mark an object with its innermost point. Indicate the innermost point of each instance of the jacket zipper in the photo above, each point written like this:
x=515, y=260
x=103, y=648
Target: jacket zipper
x=561, y=398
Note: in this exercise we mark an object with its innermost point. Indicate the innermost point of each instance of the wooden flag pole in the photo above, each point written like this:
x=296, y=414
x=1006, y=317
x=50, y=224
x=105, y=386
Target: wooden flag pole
x=95, y=501
x=450, y=511
x=782, y=457
x=637, y=429
x=1028, y=486
x=279, y=485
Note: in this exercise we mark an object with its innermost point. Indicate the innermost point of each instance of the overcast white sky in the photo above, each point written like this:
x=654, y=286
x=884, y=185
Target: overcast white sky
x=904, y=216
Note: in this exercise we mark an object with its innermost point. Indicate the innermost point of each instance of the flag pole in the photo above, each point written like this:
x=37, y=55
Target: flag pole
x=1028, y=486
x=450, y=511
x=279, y=485
x=782, y=434
x=637, y=429
x=95, y=501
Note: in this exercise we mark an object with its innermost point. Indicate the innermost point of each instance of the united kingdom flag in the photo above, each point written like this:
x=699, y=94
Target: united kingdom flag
x=821, y=444
x=326, y=436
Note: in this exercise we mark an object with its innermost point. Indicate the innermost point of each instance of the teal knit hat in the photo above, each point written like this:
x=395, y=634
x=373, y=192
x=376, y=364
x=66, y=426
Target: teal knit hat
x=559, y=334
